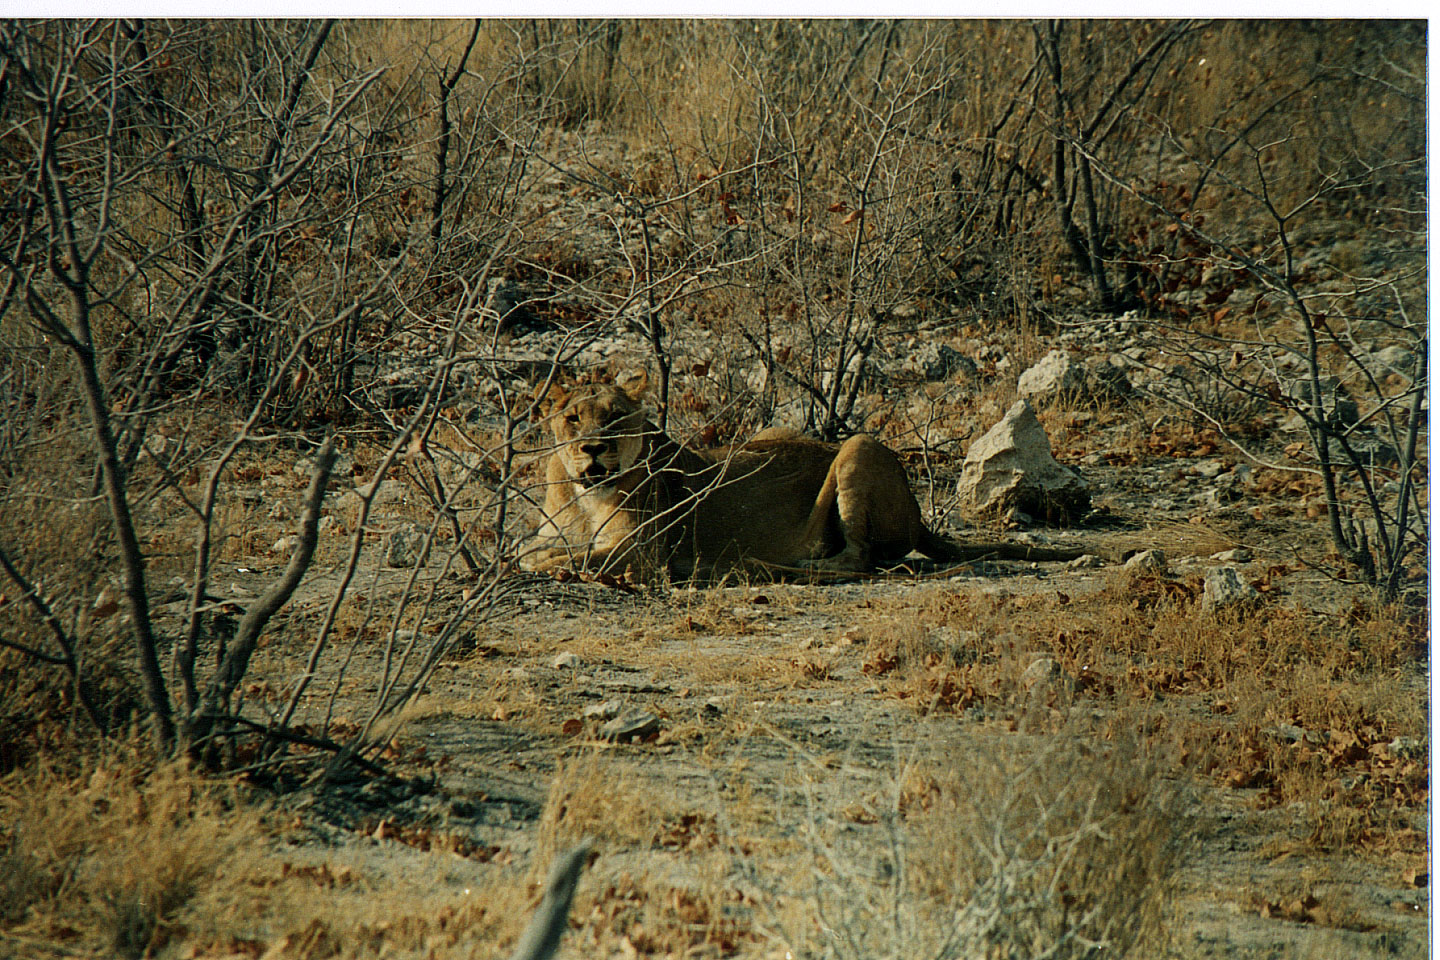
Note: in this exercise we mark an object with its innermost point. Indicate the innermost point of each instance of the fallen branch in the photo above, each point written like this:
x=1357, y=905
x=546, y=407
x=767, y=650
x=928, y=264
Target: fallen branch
x=542, y=937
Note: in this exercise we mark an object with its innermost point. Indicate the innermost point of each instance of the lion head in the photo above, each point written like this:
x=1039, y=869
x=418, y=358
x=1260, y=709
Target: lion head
x=599, y=432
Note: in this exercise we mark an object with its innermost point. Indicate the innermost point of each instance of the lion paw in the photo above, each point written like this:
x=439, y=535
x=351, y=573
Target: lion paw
x=545, y=560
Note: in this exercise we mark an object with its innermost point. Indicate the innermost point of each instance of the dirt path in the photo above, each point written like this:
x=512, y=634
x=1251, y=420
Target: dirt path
x=765, y=696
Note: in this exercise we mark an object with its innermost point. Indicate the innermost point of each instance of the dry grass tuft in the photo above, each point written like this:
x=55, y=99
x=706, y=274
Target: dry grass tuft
x=1058, y=851
x=594, y=797
x=111, y=860
x=1302, y=709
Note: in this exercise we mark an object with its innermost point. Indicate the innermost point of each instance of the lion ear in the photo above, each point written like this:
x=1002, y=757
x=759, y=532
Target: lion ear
x=549, y=399
x=635, y=384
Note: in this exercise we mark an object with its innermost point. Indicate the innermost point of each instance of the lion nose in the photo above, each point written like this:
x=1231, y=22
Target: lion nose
x=593, y=449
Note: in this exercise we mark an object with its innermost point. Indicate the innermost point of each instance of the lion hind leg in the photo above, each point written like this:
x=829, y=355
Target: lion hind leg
x=867, y=490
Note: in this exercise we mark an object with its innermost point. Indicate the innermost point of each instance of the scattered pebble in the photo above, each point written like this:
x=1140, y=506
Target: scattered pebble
x=566, y=660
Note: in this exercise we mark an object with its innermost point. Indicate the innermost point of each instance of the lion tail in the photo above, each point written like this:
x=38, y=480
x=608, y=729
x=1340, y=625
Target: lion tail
x=937, y=547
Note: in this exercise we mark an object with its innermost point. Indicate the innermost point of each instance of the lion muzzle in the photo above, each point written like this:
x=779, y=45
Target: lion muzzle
x=598, y=473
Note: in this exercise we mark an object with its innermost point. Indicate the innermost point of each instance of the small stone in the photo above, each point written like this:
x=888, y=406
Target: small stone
x=1149, y=562
x=402, y=547
x=935, y=361
x=1289, y=731
x=105, y=603
x=1042, y=670
x=1109, y=375
x=1086, y=561
x=630, y=725
x=1210, y=469
x=342, y=466
x=566, y=659
x=1238, y=555
x=1406, y=748
x=1224, y=587
x=1340, y=408
x=285, y=544
x=606, y=710
x=1395, y=359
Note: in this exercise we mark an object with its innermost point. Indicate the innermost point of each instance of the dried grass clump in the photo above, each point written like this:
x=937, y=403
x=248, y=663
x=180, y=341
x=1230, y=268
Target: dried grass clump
x=110, y=860
x=600, y=800
x=1065, y=850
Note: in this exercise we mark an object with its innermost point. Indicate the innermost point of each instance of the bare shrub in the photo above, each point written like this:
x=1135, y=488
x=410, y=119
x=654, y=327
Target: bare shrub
x=146, y=287
x=1277, y=314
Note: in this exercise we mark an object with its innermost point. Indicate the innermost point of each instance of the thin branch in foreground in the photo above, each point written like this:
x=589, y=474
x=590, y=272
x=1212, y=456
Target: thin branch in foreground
x=542, y=938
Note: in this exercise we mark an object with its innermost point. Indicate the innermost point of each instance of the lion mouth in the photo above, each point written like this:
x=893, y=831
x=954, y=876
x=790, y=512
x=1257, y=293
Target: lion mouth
x=596, y=475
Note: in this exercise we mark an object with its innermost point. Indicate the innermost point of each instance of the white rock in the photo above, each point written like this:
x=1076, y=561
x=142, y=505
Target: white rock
x=1085, y=562
x=1395, y=359
x=1406, y=748
x=1210, y=469
x=566, y=659
x=1224, y=587
x=632, y=724
x=1340, y=408
x=1012, y=467
x=606, y=710
x=1238, y=555
x=936, y=361
x=1056, y=375
x=342, y=467
x=1150, y=562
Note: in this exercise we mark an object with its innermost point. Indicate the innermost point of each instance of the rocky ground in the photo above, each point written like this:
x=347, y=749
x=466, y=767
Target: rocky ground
x=688, y=730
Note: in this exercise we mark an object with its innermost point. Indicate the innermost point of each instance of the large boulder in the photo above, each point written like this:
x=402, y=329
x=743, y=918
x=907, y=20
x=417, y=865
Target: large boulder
x=1012, y=467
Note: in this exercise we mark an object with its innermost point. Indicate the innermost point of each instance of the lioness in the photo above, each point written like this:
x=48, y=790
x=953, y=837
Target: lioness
x=622, y=495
